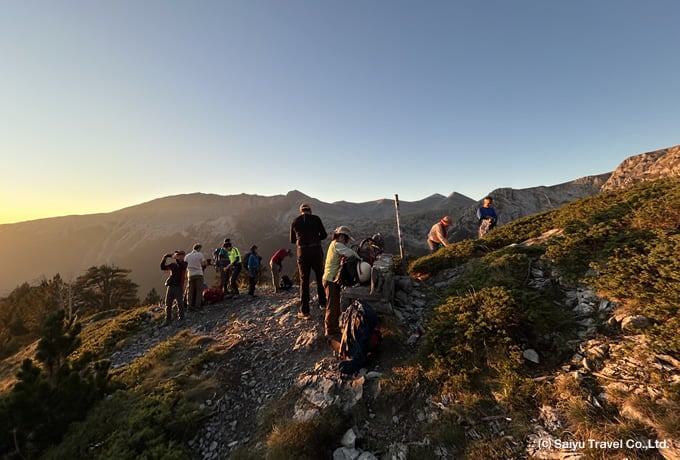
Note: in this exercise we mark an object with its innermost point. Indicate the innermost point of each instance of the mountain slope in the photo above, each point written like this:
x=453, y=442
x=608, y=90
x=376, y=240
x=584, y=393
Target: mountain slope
x=136, y=237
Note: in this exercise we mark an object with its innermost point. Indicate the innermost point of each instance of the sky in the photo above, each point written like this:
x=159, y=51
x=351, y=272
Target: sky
x=108, y=104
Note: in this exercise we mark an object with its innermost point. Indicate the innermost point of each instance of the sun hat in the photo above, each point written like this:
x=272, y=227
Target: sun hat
x=343, y=230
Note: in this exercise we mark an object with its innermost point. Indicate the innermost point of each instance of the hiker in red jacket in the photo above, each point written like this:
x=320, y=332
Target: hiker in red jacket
x=276, y=265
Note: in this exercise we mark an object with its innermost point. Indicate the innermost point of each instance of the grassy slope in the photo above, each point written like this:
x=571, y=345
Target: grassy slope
x=624, y=244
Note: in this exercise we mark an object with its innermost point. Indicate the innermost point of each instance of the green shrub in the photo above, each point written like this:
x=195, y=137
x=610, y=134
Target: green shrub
x=470, y=332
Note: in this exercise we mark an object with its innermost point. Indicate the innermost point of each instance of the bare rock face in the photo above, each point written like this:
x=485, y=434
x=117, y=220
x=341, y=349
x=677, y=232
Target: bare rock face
x=645, y=167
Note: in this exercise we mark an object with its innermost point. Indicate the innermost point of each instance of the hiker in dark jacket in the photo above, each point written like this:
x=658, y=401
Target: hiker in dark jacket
x=306, y=232
x=487, y=217
x=174, y=291
x=253, y=269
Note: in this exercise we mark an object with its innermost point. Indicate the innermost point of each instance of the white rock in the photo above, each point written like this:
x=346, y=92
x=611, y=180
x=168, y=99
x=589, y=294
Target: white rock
x=530, y=355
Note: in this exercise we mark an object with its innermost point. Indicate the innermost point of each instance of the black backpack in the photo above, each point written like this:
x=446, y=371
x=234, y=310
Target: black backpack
x=245, y=260
x=360, y=336
x=285, y=282
x=348, y=275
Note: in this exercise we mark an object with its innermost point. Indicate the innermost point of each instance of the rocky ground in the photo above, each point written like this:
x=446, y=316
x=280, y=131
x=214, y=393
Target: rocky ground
x=267, y=351
x=268, y=354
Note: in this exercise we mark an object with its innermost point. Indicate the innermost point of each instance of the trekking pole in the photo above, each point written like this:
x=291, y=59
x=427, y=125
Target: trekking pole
x=401, y=242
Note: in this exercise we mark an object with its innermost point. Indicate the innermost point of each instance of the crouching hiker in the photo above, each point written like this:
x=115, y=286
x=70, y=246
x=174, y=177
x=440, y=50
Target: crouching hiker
x=174, y=291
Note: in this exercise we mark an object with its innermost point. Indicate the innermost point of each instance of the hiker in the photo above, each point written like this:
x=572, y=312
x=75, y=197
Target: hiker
x=306, y=232
x=196, y=263
x=221, y=256
x=487, y=216
x=234, y=267
x=336, y=250
x=174, y=291
x=253, y=267
x=276, y=265
x=437, y=236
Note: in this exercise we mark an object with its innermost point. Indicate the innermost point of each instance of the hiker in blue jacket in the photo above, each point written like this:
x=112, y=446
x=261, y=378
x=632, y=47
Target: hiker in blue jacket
x=487, y=216
x=253, y=269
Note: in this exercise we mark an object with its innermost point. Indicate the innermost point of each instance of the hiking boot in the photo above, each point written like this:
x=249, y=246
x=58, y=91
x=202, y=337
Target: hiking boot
x=306, y=316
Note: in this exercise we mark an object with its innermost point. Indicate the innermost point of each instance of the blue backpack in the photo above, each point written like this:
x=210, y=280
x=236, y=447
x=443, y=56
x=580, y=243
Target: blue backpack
x=360, y=336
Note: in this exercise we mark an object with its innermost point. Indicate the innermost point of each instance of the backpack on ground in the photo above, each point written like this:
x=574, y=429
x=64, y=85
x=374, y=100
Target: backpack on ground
x=285, y=283
x=360, y=336
x=213, y=295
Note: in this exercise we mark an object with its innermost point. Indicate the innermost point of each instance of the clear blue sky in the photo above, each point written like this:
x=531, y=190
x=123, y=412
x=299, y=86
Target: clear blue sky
x=106, y=104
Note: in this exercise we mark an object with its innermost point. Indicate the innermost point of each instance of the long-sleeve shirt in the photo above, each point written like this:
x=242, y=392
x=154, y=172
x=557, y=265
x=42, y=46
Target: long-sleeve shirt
x=253, y=264
x=483, y=213
x=307, y=230
x=335, y=252
x=177, y=271
x=278, y=256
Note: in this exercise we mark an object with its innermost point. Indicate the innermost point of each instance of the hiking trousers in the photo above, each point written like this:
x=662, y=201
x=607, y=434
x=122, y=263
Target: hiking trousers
x=195, y=291
x=276, y=274
x=224, y=279
x=332, y=318
x=234, y=271
x=174, y=294
x=310, y=259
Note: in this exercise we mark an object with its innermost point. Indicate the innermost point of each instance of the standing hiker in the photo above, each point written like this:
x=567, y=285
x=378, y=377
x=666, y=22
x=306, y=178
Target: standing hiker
x=196, y=263
x=437, y=236
x=234, y=267
x=487, y=216
x=306, y=232
x=253, y=266
x=174, y=291
x=276, y=265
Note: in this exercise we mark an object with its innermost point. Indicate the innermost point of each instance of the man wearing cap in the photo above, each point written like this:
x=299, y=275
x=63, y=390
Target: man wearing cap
x=174, y=291
x=306, y=232
x=437, y=236
x=196, y=262
x=336, y=250
x=276, y=265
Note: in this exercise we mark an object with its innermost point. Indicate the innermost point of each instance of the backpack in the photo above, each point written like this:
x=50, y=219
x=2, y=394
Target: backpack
x=348, y=275
x=221, y=257
x=285, y=282
x=213, y=295
x=360, y=336
x=370, y=248
x=245, y=260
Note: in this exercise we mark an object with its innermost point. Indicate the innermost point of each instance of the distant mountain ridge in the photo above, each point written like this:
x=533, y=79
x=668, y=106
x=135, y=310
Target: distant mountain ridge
x=137, y=236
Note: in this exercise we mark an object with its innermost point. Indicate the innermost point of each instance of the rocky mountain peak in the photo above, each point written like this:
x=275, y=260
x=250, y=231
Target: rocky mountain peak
x=645, y=167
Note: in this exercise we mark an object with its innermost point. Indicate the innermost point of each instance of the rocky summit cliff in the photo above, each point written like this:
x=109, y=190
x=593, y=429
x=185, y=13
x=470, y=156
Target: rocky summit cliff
x=137, y=236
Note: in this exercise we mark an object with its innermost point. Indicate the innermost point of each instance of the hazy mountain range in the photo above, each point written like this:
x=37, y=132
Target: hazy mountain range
x=136, y=237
